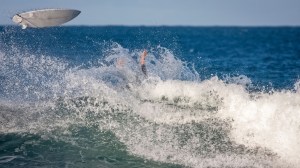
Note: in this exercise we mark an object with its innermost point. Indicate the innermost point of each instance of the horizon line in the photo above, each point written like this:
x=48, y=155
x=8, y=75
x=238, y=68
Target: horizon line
x=162, y=25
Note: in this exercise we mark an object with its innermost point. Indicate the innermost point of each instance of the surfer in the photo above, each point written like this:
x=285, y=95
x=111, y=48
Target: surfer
x=126, y=76
x=120, y=62
x=143, y=66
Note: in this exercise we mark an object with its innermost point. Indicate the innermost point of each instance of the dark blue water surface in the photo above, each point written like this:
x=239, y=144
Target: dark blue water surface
x=213, y=97
x=267, y=55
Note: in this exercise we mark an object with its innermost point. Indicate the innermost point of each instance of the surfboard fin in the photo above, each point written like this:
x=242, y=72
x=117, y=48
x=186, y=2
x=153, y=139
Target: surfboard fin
x=24, y=26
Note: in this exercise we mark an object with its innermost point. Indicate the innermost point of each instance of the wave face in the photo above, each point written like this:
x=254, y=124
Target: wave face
x=84, y=102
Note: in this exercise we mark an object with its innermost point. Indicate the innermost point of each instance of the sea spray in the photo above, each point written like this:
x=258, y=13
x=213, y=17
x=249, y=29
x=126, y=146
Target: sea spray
x=102, y=110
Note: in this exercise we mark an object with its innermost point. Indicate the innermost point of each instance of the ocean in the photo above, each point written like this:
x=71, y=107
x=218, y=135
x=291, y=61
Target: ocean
x=75, y=96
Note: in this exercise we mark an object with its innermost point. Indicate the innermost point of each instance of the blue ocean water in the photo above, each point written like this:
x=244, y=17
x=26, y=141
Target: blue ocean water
x=214, y=97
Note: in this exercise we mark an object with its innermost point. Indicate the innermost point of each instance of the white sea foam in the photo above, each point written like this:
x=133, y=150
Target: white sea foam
x=271, y=121
x=267, y=120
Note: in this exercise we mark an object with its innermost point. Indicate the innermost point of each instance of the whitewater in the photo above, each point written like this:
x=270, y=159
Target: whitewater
x=105, y=114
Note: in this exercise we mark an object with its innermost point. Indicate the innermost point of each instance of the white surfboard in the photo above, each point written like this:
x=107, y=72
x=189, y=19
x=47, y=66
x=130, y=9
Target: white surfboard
x=45, y=17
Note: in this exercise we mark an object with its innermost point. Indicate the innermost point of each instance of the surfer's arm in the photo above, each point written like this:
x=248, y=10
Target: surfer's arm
x=142, y=61
x=143, y=56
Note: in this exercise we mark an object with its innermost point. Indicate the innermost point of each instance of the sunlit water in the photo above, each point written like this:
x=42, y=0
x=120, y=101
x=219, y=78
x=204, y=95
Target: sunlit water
x=214, y=97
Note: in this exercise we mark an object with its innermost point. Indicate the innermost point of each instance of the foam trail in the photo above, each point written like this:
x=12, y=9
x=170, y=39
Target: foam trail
x=5, y=159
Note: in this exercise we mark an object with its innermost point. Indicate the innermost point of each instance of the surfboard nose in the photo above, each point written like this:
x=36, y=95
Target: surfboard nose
x=77, y=12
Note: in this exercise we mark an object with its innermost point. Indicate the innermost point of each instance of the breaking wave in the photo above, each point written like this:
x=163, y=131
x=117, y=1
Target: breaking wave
x=172, y=116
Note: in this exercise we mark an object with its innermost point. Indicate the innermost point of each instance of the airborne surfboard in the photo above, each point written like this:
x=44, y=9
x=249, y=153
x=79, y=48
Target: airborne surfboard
x=44, y=17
